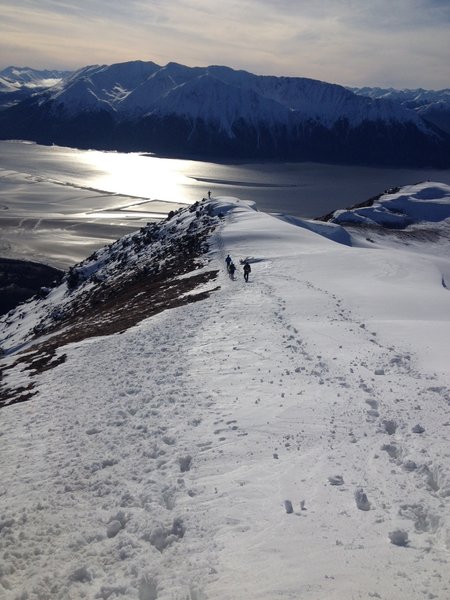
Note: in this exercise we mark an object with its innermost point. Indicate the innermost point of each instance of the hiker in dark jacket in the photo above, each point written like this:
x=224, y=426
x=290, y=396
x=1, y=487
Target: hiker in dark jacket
x=228, y=261
x=247, y=270
x=231, y=270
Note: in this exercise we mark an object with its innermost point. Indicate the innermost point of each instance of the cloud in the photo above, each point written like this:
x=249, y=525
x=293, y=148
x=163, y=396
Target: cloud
x=401, y=15
x=356, y=42
x=371, y=14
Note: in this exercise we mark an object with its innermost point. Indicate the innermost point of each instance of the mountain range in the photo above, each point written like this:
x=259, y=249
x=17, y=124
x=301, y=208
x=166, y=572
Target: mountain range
x=218, y=112
x=431, y=105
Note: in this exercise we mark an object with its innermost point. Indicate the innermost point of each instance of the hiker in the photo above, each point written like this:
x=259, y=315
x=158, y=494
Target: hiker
x=247, y=270
x=228, y=261
x=209, y=195
x=231, y=270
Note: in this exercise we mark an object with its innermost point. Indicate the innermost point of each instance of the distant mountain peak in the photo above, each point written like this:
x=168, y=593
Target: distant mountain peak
x=433, y=106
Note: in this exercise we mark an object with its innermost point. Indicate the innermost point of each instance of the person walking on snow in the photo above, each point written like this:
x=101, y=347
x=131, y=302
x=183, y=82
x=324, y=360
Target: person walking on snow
x=247, y=270
x=231, y=270
x=228, y=261
x=209, y=195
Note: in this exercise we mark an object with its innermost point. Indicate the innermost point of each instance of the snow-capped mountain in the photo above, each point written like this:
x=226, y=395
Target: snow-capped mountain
x=169, y=432
x=219, y=112
x=106, y=84
x=432, y=105
x=33, y=78
x=18, y=83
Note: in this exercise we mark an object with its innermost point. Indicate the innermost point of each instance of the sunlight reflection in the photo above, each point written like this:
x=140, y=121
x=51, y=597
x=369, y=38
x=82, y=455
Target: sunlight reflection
x=137, y=175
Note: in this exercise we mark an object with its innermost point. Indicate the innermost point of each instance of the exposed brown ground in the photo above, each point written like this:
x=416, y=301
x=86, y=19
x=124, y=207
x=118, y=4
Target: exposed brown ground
x=119, y=310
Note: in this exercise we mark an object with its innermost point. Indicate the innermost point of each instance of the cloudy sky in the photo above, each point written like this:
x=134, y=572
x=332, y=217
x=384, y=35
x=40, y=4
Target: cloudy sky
x=398, y=43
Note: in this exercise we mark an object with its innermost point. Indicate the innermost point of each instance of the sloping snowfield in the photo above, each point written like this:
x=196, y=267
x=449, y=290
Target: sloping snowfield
x=286, y=438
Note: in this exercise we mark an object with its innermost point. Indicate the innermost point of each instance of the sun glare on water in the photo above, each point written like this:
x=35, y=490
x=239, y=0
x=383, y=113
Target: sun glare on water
x=138, y=175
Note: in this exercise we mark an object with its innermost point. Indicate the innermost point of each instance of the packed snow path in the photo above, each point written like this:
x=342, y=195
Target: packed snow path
x=231, y=448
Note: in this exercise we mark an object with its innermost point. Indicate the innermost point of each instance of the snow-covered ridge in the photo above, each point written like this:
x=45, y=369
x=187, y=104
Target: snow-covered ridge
x=7, y=86
x=140, y=87
x=19, y=83
x=431, y=105
x=208, y=92
x=156, y=248
x=281, y=438
x=424, y=202
x=416, y=97
x=24, y=77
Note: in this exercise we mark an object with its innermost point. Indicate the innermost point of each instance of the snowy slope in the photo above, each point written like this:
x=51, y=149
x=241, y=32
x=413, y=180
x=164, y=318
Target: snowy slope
x=98, y=87
x=208, y=99
x=134, y=87
x=33, y=78
x=144, y=87
x=285, y=438
x=431, y=105
x=317, y=100
x=417, y=96
x=7, y=86
x=423, y=202
x=19, y=83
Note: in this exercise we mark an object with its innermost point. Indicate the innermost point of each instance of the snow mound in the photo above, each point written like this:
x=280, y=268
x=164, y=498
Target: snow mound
x=428, y=202
x=331, y=231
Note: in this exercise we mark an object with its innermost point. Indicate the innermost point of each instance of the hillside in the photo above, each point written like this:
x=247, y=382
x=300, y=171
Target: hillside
x=283, y=438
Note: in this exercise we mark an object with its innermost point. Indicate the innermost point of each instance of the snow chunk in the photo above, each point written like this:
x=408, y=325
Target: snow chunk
x=148, y=588
x=361, y=500
x=336, y=480
x=113, y=528
x=185, y=463
x=116, y=524
x=418, y=429
x=82, y=575
x=399, y=537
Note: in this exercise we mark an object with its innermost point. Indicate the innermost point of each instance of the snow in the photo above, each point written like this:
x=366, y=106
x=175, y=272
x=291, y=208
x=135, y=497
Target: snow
x=267, y=99
x=418, y=98
x=412, y=204
x=210, y=99
x=32, y=78
x=431, y=105
x=7, y=86
x=222, y=95
x=258, y=444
